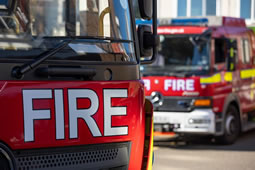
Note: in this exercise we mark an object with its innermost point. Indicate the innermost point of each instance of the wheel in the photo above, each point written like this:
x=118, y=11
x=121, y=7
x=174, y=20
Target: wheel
x=6, y=158
x=231, y=126
x=4, y=164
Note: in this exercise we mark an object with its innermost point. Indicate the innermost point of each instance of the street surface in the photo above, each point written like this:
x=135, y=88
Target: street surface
x=205, y=155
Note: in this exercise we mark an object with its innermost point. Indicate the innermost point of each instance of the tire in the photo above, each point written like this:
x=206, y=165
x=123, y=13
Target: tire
x=4, y=164
x=231, y=126
x=6, y=158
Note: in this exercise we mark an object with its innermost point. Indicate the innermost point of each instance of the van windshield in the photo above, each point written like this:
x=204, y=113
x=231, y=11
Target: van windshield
x=181, y=53
x=101, y=29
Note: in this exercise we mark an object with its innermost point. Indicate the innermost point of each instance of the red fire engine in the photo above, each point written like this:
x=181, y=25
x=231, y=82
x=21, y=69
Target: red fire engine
x=202, y=82
x=71, y=96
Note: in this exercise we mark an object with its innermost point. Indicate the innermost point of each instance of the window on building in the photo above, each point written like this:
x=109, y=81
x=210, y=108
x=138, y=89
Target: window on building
x=197, y=7
x=211, y=7
x=246, y=51
x=182, y=8
x=245, y=9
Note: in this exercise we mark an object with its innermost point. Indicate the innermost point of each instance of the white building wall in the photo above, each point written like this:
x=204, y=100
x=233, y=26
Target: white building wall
x=168, y=9
x=229, y=8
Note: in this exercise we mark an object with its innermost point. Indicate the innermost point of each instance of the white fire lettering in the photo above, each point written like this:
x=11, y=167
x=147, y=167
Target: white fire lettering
x=85, y=114
x=170, y=31
x=110, y=111
x=147, y=84
x=179, y=85
x=190, y=85
x=30, y=114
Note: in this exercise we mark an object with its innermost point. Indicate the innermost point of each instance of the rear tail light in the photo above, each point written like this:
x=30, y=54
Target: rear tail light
x=148, y=142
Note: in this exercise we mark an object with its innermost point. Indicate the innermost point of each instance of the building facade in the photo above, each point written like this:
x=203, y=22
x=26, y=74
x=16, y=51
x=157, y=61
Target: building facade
x=188, y=8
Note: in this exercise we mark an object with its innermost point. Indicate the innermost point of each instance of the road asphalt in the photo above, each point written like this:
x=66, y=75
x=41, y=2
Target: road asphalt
x=205, y=154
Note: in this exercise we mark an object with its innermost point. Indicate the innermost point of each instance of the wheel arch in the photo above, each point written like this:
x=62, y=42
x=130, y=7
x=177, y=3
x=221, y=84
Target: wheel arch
x=233, y=99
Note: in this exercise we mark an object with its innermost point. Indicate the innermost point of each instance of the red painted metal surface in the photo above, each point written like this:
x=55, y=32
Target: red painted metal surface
x=243, y=88
x=12, y=116
x=233, y=22
x=174, y=86
x=165, y=30
x=188, y=87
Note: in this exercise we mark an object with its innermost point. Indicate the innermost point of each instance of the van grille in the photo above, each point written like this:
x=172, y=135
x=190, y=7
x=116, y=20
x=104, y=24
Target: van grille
x=176, y=104
x=91, y=157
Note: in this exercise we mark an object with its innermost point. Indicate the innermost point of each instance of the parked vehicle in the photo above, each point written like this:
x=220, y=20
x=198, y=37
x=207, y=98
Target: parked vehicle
x=71, y=95
x=202, y=82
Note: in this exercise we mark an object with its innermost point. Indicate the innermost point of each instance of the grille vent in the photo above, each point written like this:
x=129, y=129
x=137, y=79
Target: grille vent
x=84, y=158
x=176, y=104
x=68, y=159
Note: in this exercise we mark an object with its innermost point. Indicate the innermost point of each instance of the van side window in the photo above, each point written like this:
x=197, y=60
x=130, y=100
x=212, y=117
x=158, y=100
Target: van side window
x=246, y=51
x=220, y=51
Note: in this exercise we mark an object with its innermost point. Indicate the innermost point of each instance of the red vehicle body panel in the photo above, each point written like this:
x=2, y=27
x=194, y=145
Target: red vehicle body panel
x=226, y=86
x=157, y=83
x=218, y=91
x=12, y=117
x=165, y=30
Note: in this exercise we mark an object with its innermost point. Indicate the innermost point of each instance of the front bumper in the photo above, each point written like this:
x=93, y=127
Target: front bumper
x=90, y=157
x=199, y=121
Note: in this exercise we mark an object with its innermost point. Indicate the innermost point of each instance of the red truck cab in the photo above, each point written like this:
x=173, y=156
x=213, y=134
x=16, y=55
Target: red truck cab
x=202, y=82
x=71, y=95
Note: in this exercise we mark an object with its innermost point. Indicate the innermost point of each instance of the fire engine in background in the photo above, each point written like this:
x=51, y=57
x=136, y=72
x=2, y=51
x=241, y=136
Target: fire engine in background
x=202, y=82
x=70, y=91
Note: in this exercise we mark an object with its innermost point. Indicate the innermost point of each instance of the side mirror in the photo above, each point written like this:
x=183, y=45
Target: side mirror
x=231, y=54
x=147, y=34
x=148, y=43
x=145, y=40
x=145, y=7
x=7, y=7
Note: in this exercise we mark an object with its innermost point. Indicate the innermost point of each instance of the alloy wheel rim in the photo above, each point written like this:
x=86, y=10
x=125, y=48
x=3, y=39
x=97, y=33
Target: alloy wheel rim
x=230, y=125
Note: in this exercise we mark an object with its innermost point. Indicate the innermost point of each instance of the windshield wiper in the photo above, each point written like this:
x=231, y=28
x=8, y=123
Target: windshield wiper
x=202, y=38
x=19, y=71
x=89, y=38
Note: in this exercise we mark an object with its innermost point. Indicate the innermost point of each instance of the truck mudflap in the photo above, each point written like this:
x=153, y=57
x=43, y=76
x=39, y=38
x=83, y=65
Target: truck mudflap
x=199, y=121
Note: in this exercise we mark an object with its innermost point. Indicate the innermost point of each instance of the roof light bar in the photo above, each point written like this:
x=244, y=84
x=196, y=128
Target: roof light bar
x=204, y=21
x=191, y=21
x=142, y=21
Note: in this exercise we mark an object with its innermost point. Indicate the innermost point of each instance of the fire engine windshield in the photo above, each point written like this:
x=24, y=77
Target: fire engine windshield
x=100, y=30
x=181, y=54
